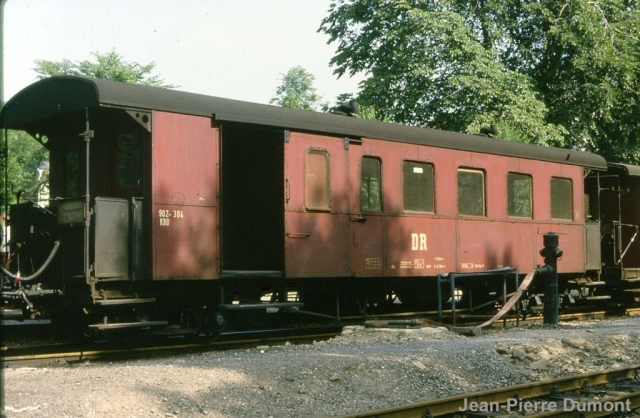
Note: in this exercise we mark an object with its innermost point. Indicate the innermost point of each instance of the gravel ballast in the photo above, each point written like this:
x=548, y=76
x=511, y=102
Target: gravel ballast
x=361, y=369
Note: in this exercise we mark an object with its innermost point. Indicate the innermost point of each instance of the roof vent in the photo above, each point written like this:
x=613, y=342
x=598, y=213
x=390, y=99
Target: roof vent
x=350, y=108
x=490, y=131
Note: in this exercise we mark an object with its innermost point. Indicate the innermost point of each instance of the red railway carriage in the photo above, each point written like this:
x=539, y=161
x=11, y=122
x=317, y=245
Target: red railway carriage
x=198, y=204
x=431, y=229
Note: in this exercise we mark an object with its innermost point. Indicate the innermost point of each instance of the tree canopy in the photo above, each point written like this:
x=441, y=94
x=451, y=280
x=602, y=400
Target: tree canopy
x=107, y=66
x=297, y=90
x=562, y=73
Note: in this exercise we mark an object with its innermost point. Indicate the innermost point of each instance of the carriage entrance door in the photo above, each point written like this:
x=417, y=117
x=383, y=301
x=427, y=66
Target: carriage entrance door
x=252, y=196
x=366, y=209
x=316, y=206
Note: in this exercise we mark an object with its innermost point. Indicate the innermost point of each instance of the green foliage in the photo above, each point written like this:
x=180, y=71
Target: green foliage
x=590, y=75
x=25, y=157
x=108, y=66
x=297, y=91
x=562, y=73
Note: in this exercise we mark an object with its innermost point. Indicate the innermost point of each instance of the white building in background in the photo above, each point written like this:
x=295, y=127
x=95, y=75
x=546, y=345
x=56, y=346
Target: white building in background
x=5, y=234
x=43, y=192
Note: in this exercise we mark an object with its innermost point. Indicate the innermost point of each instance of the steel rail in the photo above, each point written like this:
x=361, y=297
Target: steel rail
x=634, y=403
x=9, y=354
x=454, y=404
x=91, y=352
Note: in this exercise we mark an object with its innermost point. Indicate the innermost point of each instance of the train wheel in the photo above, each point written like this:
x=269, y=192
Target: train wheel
x=68, y=322
x=204, y=322
x=419, y=299
x=191, y=319
x=243, y=320
x=344, y=303
x=319, y=302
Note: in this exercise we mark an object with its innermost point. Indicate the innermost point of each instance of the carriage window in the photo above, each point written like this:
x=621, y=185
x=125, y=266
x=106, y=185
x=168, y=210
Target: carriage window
x=471, y=192
x=71, y=170
x=129, y=160
x=519, y=195
x=561, y=198
x=371, y=186
x=591, y=209
x=316, y=183
x=417, y=186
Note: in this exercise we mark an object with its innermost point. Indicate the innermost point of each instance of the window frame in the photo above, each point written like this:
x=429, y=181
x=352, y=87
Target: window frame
x=552, y=200
x=325, y=153
x=431, y=190
x=381, y=189
x=531, y=206
x=73, y=169
x=484, y=190
x=122, y=165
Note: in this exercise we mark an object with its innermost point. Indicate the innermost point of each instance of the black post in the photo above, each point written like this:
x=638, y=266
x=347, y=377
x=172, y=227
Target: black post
x=2, y=3
x=551, y=253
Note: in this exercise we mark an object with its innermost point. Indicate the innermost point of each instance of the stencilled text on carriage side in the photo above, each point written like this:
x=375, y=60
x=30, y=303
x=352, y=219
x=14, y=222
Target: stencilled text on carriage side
x=165, y=216
x=418, y=242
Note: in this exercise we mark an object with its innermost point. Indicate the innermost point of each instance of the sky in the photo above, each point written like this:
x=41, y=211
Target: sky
x=238, y=49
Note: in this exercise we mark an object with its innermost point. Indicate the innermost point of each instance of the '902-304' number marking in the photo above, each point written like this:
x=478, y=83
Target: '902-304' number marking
x=165, y=216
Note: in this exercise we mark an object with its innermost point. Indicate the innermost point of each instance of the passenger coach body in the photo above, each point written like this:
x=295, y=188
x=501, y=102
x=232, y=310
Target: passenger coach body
x=188, y=200
x=397, y=209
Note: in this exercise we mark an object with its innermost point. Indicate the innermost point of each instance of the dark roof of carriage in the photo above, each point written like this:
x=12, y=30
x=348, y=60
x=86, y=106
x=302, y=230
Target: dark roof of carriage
x=627, y=169
x=56, y=95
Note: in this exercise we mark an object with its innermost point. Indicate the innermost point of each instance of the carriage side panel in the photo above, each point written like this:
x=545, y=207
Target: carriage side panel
x=185, y=187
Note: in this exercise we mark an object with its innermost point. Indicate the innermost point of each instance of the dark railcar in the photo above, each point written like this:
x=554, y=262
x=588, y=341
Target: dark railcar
x=618, y=211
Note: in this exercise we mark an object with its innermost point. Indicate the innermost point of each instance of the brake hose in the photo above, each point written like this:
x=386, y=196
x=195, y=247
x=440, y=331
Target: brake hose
x=17, y=277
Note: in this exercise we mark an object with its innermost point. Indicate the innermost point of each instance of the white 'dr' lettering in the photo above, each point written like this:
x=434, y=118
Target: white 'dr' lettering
x=418, y=242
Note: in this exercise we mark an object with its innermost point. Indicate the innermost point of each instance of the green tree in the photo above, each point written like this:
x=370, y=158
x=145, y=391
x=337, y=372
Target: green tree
x=107, y=66
x=563, y=73
x=297, y=91
x=24, y=160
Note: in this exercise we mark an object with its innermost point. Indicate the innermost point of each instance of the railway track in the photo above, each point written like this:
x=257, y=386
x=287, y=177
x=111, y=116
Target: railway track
x=509, y=392
x=596, y=394
x=20, y=355
x=43, y=354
